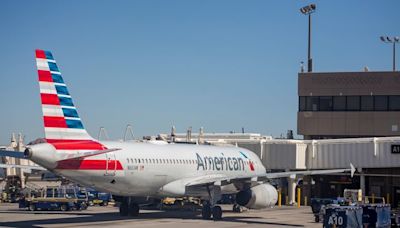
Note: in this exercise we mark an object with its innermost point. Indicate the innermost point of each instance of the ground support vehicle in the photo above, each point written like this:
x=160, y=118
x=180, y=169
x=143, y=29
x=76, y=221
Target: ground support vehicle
x=63, y=199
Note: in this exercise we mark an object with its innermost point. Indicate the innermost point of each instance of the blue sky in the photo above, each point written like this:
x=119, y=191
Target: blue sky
x=222, y=65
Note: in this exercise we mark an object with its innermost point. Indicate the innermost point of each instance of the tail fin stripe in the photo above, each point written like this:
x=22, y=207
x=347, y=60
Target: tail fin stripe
x=70, y=112
x=57, y=78
x=40, y=54
x=67, y=133
x=62, y=90
x=53, y=121
x=65, y=101
x=67, y=144
x=47, y=89
x=51, y=110
x=49, y=99
x=45, y=76
x=53, y=67
x=74, y=124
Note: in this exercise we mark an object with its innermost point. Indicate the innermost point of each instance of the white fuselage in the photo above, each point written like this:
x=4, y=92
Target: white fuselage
x=143, y=168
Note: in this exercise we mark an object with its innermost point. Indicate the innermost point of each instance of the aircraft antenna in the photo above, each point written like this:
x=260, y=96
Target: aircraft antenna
x=129, y=129
x=102, y=132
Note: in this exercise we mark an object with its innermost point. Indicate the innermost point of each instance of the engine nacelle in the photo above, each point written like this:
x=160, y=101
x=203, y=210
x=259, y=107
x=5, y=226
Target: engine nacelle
x=257, y=197
x=43, y=154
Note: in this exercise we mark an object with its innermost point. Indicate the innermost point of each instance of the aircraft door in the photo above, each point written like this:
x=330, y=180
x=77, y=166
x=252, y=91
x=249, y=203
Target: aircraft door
x=111, y=164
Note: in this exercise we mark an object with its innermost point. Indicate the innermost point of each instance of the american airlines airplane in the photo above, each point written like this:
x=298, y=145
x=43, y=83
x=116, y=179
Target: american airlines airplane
x=133, y=171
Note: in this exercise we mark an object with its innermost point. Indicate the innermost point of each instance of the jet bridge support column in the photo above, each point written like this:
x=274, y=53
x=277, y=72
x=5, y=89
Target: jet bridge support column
x=292, y=189
x=362, y=181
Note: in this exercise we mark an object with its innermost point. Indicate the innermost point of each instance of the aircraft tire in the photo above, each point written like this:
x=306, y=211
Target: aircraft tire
x=237, y=208
x=134, y=210
x=206, y=211
x=123, y=209
x=32, y=207
x=217, y=213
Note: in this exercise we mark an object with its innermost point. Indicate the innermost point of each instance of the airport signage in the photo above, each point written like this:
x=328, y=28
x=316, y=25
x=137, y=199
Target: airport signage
x=396, y=149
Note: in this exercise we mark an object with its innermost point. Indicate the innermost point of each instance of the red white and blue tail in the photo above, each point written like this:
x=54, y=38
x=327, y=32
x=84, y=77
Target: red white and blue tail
x=61, y=120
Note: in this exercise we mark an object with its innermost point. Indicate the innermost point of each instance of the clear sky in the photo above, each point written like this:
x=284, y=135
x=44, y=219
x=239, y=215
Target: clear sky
x=220, y=64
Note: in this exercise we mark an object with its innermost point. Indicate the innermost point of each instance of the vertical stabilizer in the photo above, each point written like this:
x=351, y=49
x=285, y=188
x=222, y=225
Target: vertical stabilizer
x=61, y=120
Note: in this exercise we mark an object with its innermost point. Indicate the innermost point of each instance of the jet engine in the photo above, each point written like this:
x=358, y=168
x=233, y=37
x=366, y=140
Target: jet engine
x=257, y=197
x=43, y=154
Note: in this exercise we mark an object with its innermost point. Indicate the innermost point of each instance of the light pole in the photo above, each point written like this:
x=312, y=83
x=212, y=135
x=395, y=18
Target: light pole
x=392, y=40
x=308, y=10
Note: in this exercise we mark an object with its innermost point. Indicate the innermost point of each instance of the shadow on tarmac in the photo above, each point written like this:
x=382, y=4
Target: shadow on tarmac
x=94, y=218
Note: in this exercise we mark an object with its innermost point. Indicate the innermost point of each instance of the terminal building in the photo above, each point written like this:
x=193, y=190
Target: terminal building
x=348, y=105
x=353, y=105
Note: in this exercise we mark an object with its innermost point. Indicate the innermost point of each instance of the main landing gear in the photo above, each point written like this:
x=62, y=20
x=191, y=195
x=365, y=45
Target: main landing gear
x=209, y=207
x=128, y=207
x=208, y=210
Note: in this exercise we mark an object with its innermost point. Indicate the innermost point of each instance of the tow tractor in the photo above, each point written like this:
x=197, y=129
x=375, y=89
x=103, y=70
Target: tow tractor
x=63, y=199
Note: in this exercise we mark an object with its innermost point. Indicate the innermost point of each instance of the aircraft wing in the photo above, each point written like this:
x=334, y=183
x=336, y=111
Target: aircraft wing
x=309, y=172
x=33, y=167
x=255, y=180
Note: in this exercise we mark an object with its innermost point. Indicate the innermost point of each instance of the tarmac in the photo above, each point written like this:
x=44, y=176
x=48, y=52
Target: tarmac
x=96, y=216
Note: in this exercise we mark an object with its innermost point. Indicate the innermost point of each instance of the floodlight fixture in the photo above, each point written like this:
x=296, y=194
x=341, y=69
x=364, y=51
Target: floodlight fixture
x=308, y=10
x=392, y=40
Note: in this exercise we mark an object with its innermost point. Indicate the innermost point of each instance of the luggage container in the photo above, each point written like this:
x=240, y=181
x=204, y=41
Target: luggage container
x=376, y=215
x=318, y=206
x=343, y=217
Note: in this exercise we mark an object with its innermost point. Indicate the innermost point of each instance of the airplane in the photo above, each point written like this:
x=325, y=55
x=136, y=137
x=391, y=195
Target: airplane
x=137, y=171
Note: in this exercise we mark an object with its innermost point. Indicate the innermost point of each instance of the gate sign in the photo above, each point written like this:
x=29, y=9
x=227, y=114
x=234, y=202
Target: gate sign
x=395, y=149
x=335, y=218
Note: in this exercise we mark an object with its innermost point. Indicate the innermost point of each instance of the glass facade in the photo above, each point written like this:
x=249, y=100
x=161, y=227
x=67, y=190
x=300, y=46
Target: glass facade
x=349, y=103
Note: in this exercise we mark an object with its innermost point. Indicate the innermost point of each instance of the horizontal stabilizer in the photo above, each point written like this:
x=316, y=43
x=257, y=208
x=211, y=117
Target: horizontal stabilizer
x=85, y=154
x=14, y=154
x=27, y=167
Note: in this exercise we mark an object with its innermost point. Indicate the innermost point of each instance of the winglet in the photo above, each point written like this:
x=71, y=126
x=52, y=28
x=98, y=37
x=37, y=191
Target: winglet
x=352, y=169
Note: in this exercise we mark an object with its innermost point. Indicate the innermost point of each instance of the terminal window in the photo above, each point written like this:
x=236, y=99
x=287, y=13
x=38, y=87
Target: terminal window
x=367, y=103
x=325, y=103
x=349, y=103
x=339, y=103
x=353, y=103
x=381, y=103
x=394, y=103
